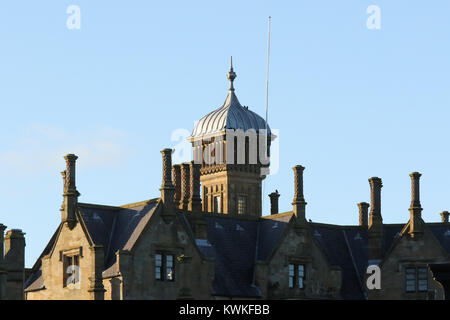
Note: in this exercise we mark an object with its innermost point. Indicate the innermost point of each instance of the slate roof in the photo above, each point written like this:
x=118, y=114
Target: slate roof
x=442, y=233
x=113, y=227
x=236, y=244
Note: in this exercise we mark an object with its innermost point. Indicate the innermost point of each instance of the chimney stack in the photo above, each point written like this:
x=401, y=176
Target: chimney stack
x=69, y=206
x=375, y=200
x=444, y=216
x=176, y=172
x=167, y=188
x=416, y=222
x=195, y=202
x=274, y=202
x=185, y=185
x=363, y=214
x=2, y=235
x=375, y=220
x=15, y=249
x=299, y=203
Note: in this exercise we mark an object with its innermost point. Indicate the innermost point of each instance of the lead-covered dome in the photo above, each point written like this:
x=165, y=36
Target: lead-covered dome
x=231, y=115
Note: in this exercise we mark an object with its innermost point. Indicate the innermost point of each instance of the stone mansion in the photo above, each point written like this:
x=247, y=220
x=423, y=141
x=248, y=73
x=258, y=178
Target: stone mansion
x=205, y=236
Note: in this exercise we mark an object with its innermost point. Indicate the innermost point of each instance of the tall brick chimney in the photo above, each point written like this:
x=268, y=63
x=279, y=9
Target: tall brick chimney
x=195, y=201
x=363, y=214
x=375, y=220
x=299, y=203
x=167, y=188
x=185, y=185
x=444, y=216
x=69, y=206
x=415, y=209
x=274, y=202
x=176, y=172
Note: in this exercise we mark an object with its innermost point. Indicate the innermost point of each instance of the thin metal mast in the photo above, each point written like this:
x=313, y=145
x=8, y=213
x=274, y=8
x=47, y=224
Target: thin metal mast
x=267, y=74
x=267, y=102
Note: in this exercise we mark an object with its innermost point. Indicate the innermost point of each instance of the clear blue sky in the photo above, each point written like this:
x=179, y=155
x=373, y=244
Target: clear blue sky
x=350, y=103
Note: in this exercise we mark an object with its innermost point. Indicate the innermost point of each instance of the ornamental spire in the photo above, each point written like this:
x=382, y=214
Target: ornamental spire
x=231, y=75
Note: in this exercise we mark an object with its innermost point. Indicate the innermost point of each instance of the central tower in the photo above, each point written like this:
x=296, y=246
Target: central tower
x=232, y=144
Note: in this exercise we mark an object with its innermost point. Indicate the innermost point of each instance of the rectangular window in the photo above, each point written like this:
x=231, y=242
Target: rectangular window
x=416, y=279
x=242, y=204
x=410, y=279
x=158, y=267
x=291, y=275
x=296, y=276
x=301, y=275
x=169, y=268
x=217, y=204
x=422, y=276
x=164, y=267
x=71, y=269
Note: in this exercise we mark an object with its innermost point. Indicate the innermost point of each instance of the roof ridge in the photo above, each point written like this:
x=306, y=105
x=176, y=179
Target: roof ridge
x=137, y=204
x=100, y=206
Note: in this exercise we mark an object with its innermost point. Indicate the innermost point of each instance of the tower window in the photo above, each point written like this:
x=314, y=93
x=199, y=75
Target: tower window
x=217, y=204
x=242, y=204
x=164, y=267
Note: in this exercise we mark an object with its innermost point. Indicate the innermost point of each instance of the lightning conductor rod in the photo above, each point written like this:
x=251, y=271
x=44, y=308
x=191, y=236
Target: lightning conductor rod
x=267, y=73
x=267, y=99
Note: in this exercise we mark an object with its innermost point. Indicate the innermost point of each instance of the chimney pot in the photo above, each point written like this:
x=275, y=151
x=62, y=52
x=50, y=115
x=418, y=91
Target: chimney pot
x=416, y=222
x=2, y=235
x=176, y=171
x=363, y=213
x=185, y=185
x=444, y=216
x=70, y=194
x=375, y=199
x=299, y=203
x=195, y=201
x=375, y=228
x=274, y=202
x=167, y=188
x=415, y=189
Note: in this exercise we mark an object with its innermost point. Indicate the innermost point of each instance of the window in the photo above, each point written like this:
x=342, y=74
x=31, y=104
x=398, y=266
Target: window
x=422, y=275
x=296, y=276
x=164, y=267
x=71, y=269
x=416, y=279
x=169, y=268
x=291, y=275
x=217, y=204
x=410, y=279
x=242, y=204
x=158, y=267
x=301, y=275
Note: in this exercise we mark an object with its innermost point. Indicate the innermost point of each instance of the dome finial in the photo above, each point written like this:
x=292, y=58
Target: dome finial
x=231, y=75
